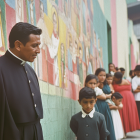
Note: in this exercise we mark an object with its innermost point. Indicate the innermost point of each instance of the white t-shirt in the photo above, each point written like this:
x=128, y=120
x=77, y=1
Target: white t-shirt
x=135, y=84
x=98, y=91
x=129, y=79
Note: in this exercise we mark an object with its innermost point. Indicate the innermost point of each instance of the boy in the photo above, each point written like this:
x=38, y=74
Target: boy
x=88, y=124
x=136, y=87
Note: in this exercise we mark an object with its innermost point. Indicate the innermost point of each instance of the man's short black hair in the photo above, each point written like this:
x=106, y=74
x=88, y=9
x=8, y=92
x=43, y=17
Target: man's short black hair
x=122, y=69
x=21, y=32
x=87, y=93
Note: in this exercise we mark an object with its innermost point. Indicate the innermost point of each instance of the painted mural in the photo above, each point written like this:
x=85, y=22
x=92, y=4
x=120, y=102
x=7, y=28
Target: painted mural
x=70, y=47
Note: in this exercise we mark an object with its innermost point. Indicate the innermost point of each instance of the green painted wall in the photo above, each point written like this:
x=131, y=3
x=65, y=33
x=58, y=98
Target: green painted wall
x=107, y=11
x=100, y=26
x=57, y=113
x=130, y=1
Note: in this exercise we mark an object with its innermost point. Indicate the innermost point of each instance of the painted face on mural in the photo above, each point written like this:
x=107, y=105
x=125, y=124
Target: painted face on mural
x=31, y=49
x=54, y=23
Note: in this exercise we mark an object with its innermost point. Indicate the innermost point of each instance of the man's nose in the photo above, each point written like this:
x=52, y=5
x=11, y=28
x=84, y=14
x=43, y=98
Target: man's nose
x=38, y=49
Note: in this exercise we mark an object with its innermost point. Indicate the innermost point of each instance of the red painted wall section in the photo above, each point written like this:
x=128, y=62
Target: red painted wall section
x=37, y=8
x=133, y=62
x=10, y=19
x=25, y=11
x=114, y=32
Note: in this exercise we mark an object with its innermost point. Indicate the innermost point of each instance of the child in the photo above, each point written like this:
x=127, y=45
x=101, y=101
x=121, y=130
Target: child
x=114, y=105
x=109, y=79
x=92, y=82
x=88, y=124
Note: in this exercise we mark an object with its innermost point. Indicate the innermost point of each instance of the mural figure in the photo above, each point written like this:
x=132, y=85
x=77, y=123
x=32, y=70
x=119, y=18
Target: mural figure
x=63, y=73
x=53, y=49
x=41, y=61
x=74, y=56
x=70, y=53
x=79, y=63
x=19, y=11
x=2, y=44
x=32, y=11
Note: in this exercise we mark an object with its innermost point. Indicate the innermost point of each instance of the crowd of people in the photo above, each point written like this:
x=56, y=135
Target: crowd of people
x=112, y=109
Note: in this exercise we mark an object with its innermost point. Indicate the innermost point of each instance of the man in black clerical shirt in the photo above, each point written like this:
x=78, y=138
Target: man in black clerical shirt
x=20, y=100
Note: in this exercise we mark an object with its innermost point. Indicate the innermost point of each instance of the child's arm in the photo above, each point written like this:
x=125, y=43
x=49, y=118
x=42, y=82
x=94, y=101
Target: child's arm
x=103, y=129
x=102, y=97
x=112, y=107
x=74, y=125
x=108, y=96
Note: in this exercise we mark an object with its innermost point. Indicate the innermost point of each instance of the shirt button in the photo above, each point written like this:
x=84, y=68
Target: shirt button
x=87, y=125
x=35, y=105
x=26, y=71
x=32, y=94
x=29, y=81
x=87, y=135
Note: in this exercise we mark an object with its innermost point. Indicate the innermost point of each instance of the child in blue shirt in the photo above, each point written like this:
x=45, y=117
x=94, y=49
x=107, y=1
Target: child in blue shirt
x=88, y=124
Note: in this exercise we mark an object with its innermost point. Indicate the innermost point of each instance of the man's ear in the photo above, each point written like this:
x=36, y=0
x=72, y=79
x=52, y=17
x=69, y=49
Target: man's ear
x=79, y=102
x=17, y=45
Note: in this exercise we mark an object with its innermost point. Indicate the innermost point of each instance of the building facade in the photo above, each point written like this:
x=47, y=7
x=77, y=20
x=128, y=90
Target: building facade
x=78, y=37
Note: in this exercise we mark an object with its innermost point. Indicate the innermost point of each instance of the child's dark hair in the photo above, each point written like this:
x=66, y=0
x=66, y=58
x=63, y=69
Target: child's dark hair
x=90, y=77
x=87, y=93
x=97, y=73
x=108, y=75
x=117, y=95
x=119, y=75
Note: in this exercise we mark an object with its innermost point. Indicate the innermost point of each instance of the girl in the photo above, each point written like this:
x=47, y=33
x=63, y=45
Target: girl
x=129, y=113
x=109, y=79
x=114, y=105
x=112, y=68
x=92, y=82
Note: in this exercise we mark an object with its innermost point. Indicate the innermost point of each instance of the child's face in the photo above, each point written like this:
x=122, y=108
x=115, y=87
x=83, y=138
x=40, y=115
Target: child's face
x=109, y=80
x=87, y=104
x=137, y=73
x=102, y=76
x=92, y=83
x=117, y=101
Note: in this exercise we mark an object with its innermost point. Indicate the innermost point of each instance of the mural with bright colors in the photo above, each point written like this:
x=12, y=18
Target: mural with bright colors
x=70, y=48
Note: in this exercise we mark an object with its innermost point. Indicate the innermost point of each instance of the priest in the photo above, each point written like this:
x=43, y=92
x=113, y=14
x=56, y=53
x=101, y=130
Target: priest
x=20, y=99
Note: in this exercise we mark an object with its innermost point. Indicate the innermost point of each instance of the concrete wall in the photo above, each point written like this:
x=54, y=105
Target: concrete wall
x=122, y=35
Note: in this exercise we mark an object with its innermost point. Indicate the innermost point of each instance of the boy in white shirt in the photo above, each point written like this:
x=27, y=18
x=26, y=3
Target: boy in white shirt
x=136, y=87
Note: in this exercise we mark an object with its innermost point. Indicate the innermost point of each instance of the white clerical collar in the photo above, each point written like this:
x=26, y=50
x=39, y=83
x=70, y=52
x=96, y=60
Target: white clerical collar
x=90, y=114
x=22, y=63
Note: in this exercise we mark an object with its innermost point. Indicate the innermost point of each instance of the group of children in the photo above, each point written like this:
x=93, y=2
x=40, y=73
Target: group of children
x=99, y=118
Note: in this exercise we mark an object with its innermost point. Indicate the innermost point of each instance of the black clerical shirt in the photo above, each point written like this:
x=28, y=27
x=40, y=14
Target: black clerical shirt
x=20, y=100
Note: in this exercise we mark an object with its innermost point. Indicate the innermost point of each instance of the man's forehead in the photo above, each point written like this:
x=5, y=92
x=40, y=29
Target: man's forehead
x=33, y=37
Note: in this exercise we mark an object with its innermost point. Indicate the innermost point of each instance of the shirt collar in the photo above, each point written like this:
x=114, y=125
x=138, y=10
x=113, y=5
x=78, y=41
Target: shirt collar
x=90, y=114
x=22, y=61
